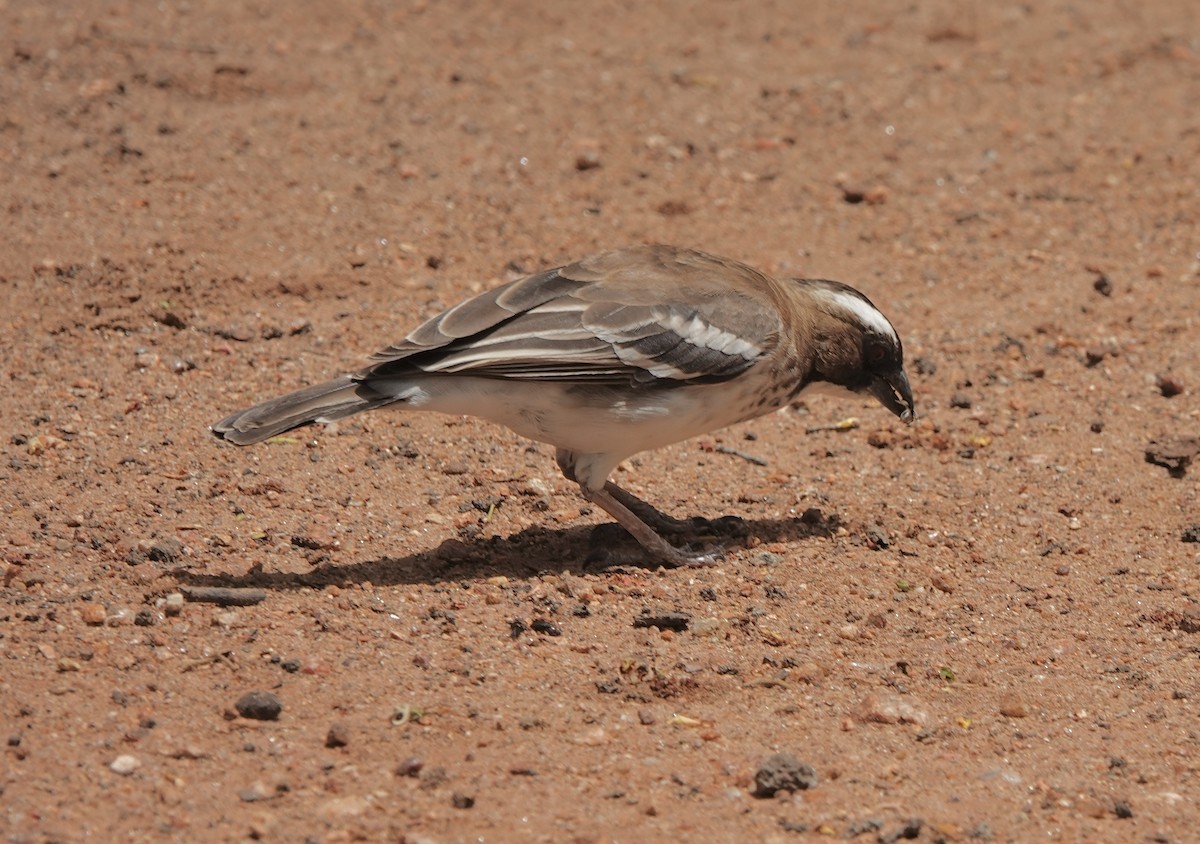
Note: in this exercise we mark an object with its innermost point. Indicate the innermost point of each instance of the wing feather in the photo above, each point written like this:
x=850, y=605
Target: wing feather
x=649, y=314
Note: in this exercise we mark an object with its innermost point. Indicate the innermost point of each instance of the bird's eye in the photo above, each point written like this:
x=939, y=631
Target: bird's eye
x=876, y=354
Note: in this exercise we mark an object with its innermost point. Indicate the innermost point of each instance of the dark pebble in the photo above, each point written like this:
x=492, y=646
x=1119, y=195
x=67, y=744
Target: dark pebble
x=780, y=772
x=541, y=625
x=261, y=706
x=1103, y=285
x=1173, y=453
x=1191, y=533
x=1169, y=385
x=166, y=551
x=410, y=767
x=910, y=831
x=462, y=801
x=677, y=621
x=1123, y=809
x=924, y=366
x=960, y=400
x=338, y=735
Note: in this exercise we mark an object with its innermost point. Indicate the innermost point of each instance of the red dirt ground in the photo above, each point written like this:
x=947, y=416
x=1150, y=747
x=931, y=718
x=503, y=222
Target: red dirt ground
x=988, y=626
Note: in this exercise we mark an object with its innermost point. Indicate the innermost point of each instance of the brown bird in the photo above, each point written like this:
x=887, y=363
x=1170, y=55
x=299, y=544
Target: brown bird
x=616, y=354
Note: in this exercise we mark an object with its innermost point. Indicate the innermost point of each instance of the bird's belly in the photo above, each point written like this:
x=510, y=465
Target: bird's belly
x=598, y=419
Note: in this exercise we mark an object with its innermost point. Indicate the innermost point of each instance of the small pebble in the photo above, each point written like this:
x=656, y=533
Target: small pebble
x=125, y=765
x=783, y=771
x=1169, y=385
x=93, y=613
x=1012, y=706
x=410, y=767
x=261, y=706
x=338, y=735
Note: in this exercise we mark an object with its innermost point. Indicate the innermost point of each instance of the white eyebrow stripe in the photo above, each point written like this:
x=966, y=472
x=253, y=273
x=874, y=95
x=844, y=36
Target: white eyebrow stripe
x=866, y=313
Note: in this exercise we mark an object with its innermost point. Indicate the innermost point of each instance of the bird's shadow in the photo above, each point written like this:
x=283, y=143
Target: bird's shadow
x=534, y=551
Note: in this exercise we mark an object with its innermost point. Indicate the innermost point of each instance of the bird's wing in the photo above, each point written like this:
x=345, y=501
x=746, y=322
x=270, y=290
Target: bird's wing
x=644, y=314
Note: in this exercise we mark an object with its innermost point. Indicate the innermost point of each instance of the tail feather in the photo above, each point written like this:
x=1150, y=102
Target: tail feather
x=335, y=399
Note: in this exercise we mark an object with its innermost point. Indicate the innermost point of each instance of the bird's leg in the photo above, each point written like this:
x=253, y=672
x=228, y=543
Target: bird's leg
x=663, y=523
x=648, y=513
x=614, y=501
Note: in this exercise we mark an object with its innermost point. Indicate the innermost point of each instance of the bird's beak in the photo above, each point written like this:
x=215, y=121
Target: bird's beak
x=894, y=393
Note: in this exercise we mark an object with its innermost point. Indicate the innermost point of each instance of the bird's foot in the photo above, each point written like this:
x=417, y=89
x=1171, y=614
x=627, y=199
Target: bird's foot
x=611, y=546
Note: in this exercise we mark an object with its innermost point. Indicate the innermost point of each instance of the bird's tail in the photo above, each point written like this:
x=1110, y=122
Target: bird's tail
x=325, y=402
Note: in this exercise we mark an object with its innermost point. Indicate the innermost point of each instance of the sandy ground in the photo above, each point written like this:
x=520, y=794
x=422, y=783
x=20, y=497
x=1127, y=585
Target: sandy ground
x=986, y=628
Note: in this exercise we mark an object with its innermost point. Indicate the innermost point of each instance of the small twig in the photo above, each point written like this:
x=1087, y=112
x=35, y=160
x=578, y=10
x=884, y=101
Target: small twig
x=749, y=458
x=847, y=424
x=224, y=596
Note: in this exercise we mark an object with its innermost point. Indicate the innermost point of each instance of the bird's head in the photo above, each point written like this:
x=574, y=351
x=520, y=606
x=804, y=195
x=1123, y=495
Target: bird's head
x=856, y=347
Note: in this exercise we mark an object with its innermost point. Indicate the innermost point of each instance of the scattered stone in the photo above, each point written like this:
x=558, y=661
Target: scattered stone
x=410, y=767
x=881, y=709
x=646, y=717
x=1169, y=385
x=1012, y=706
x=909, y=831
x=93, y=613
x=960, y=400
x=924, y=366
x=165, y=551
x=125, y=765
x=1189, y=622
x=1103, y=285
x=168, y=318
x=1173, y=453
x=340, y=808
x=587, y=160
x=942, y=582
x=1191, y=533
x=174, y=603
x=254, y=793
x=676, y=621
x=462, y=801
x=259, y=705
x=1122, y=809
x=338, y=735
x=783, y=771
x=541, y=625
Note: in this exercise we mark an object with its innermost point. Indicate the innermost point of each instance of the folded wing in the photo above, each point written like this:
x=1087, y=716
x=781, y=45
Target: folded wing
x=646, y=315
